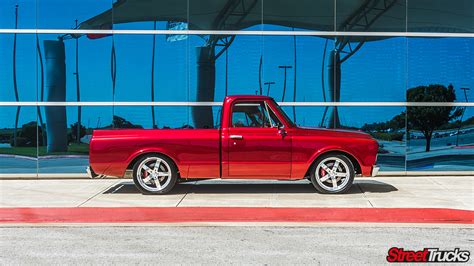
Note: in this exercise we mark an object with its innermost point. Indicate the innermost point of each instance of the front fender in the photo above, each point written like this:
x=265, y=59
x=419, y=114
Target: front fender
x=327, y=149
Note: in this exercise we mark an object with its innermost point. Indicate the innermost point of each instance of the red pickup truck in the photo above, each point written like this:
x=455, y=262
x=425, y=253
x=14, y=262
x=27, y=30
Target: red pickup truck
x=256, y=140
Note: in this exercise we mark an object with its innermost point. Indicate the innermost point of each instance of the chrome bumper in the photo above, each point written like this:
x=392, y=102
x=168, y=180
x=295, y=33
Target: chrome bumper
x=375, y=170
x=89, y=172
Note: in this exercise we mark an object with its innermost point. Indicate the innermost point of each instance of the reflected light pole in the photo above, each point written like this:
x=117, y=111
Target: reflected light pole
x=284, y=81
x=462, y=115
x=268, y=87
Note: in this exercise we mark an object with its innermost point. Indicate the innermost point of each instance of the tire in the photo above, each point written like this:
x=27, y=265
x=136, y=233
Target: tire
x=337, y=182
x=145, y=174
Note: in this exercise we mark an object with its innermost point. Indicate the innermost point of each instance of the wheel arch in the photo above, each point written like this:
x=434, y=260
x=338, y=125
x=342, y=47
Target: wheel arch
x=137, y=156
x=351, y=157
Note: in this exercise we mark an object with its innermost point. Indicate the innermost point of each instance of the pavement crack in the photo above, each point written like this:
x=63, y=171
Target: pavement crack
x=363, y=195
x=98, y=193
x=186, y=193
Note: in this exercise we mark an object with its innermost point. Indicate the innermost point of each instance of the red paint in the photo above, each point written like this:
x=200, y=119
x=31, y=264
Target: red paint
x=262, y=153
x=234, y=214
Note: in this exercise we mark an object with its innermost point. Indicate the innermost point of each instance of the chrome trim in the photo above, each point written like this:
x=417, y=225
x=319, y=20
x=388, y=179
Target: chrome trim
x=375, y=170
x=89, y=172
x=184, y=103
x=245, y=32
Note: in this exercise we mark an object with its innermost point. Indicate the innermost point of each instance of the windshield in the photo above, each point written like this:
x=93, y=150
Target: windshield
x=285, y=116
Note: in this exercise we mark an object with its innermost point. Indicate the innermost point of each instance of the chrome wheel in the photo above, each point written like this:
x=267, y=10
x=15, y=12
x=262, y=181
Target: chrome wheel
x=154, y=174
x=332, y=174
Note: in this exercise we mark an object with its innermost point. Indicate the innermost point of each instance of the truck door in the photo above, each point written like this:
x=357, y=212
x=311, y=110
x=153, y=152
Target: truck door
x=258, y=146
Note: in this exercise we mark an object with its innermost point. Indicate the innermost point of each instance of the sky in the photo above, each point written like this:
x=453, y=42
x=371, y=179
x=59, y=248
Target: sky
x=380, y=71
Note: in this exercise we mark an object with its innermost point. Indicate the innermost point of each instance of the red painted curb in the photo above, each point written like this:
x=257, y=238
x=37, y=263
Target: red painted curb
x=234, y=214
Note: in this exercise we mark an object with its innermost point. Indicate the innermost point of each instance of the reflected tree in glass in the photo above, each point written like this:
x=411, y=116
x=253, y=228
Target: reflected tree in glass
x=428, y=119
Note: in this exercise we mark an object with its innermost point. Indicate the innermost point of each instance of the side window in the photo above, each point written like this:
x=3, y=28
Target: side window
x=251, y=114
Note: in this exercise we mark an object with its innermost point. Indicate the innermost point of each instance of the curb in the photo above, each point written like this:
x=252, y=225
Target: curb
x=234, y=214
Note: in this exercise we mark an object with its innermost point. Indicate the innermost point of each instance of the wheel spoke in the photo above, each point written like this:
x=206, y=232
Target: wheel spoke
x=163, y=173
x=157, y=183
x=324, y=178
x=334, y=183
x=146, y=168
x=146, y=179
x=335, y=166
x=341, y=174
x=325, y=167
x=157, y=165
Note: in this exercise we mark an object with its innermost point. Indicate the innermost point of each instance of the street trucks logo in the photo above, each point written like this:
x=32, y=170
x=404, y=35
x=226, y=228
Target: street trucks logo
x=427, y=255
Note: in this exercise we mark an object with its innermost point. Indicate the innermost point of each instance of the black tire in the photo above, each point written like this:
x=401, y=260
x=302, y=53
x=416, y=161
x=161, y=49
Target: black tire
x=343, y=184
x=166, y=166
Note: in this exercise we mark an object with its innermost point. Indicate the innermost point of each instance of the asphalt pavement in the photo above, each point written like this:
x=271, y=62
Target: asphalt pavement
x=219, y=245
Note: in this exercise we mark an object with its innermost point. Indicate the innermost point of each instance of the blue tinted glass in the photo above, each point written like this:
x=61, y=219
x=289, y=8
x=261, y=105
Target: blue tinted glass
x=18, y=69
x=441, y=61
x=440, y=16
x=434, y=145
x=298, y=67
x=371, y=16
x=386, y=125
x=236, y=69
x=375, y=72
x=69, y=130
x=150, y=72
x=299, y=15
x=225, y=15
x=18, y=154
x=19, y=14
x=58, y=14
x=94, y=66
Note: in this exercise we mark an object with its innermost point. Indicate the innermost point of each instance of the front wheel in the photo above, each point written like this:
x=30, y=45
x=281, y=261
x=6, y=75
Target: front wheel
x=154, y=174
x=332, y=174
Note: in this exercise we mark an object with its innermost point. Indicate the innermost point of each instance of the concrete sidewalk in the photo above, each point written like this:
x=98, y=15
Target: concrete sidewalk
x=455, y=192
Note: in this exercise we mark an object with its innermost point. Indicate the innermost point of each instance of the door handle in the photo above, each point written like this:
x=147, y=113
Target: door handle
x=282, y=132
x=236, y=137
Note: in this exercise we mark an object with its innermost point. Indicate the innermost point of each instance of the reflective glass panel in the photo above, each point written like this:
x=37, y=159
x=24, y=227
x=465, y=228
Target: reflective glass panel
x=18, y=67
x=371, y=16
x=296, y=68
x=386, y=125
x=440, y=139
x=18, y=139
x=58, y=14
x=299, y=15
x=441, y=61
x=150, y=68
x=225, y=15
x=67, y=146
x=440, y=16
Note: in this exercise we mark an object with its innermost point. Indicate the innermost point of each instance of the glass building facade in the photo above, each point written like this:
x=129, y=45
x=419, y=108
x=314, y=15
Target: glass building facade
x=402, y=71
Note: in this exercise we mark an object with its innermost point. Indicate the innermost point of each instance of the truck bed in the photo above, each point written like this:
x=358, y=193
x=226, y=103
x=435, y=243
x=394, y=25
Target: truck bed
x=195, y=151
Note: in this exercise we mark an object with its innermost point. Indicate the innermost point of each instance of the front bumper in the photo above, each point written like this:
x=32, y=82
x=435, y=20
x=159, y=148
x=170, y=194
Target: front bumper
x=375, y=170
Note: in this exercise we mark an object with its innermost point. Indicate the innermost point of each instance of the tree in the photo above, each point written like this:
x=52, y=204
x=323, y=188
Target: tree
x=74, y=132
x=428, y=119
x=119, y=122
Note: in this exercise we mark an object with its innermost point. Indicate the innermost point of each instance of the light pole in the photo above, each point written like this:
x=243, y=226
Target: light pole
x=284, y=81
x=462, y=115
x=269, y=83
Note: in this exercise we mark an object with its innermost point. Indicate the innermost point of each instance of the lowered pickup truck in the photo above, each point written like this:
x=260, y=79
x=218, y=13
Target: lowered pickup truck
x=256, y=140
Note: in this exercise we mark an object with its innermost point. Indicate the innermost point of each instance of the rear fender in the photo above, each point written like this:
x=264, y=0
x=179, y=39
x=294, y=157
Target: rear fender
x=182, y=169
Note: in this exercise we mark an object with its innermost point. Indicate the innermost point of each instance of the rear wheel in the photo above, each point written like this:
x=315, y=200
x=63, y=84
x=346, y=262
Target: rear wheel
x=154, y=174
x=332, y=174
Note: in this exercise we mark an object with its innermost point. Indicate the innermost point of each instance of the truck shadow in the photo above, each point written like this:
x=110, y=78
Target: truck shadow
x=218, y=187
